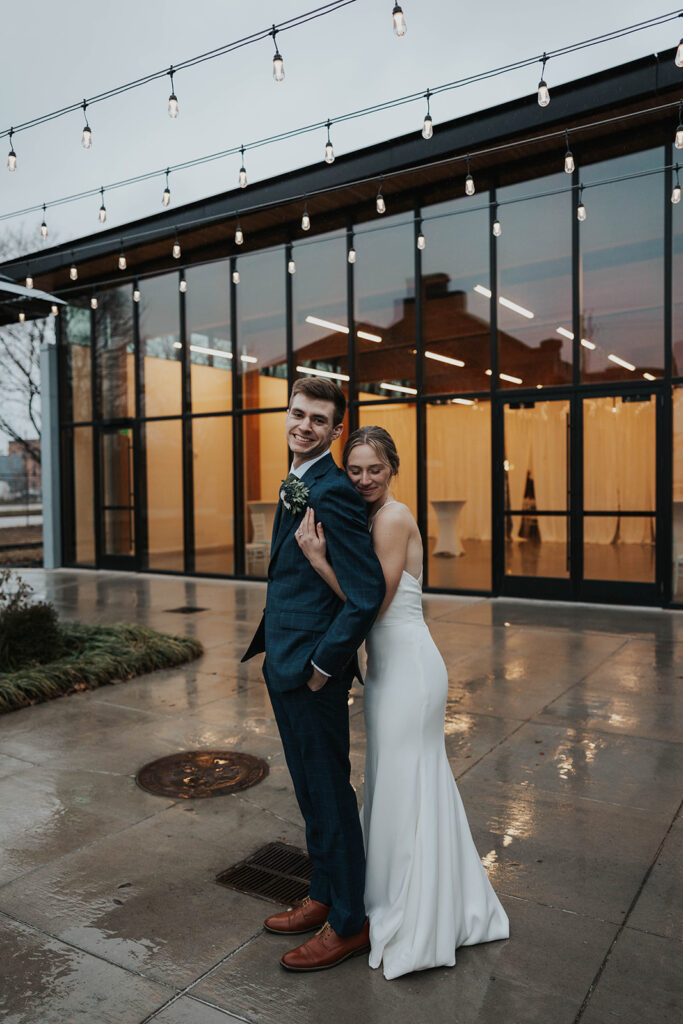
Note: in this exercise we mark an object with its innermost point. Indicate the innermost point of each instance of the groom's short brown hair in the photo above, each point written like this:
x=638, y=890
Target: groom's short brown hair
x=323, y=390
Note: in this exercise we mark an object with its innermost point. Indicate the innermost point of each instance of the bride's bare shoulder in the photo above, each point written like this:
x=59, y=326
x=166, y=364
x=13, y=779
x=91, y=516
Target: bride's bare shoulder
x=395, y=517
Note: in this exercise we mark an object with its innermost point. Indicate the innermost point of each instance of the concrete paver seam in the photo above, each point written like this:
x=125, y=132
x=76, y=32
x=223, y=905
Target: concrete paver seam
x=598, y=974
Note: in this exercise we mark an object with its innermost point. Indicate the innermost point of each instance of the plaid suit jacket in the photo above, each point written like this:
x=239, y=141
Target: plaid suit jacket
x=303, y=619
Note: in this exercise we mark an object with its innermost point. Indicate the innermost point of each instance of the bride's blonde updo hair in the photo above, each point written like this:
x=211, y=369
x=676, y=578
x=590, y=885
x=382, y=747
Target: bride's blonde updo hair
x=379, y=439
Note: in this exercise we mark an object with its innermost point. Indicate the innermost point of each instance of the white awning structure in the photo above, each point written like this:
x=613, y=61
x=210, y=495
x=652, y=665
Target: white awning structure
x=32, y=302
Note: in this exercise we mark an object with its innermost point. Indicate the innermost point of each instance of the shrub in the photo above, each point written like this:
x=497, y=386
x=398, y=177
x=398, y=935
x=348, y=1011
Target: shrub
x=29, y=633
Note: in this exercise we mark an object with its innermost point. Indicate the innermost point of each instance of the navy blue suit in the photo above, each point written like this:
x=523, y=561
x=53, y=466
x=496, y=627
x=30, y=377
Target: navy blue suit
x=305, y=621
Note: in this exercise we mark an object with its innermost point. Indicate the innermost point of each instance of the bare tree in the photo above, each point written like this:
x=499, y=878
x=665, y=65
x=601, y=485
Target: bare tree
x=20, y=366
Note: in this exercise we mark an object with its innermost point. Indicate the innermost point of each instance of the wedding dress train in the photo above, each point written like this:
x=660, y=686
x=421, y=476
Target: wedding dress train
x=426, y=890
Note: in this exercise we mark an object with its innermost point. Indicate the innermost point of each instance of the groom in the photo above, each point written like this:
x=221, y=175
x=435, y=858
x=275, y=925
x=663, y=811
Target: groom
x=310, y=638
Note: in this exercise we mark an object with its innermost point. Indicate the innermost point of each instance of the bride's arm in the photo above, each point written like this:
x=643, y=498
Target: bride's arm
x=310, y=537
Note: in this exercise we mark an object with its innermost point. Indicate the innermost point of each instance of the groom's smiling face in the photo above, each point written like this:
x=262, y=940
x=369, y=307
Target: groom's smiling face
x=310, y=427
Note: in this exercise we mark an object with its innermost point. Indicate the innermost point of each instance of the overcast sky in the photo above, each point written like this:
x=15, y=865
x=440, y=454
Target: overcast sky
x=60, y=53
x=57, y=54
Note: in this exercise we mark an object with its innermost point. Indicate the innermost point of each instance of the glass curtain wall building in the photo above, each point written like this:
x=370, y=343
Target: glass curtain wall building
x=528, y=363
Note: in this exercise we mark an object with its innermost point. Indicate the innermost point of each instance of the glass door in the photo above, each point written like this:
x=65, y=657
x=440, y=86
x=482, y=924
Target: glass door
x=620, y=498
x=117, y=497
x=536, y=499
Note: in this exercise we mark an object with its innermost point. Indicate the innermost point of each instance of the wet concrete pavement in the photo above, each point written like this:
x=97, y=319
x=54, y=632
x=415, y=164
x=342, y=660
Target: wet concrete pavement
x=563, y=730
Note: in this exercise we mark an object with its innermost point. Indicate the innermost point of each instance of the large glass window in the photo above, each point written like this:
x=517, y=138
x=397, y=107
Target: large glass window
x=160, y=343
x=261, y=330
x=677, y=236
x=399, y=420
x=622, y=330
x=459, y=494
x=535, y=285
x=207, y=309
x=213, y=497
x=115, y=348
x=76, y=390
x=384, y=286
x=455, y=283
x=320, y=315
x=265, y=466
x=83, y=508
x=164, y=494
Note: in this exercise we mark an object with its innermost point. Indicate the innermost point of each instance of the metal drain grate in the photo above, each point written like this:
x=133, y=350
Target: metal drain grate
x=185, y=609
x=278, y=872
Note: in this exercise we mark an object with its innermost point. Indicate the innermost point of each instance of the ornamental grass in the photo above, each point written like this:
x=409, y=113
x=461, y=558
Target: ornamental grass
x=92, y=656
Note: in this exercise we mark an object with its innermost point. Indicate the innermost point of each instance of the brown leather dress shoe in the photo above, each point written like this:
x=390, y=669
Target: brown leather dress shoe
x=327, y=949
x=305, y=917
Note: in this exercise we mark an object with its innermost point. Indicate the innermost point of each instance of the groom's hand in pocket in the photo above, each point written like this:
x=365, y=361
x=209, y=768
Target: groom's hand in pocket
x=317, y=681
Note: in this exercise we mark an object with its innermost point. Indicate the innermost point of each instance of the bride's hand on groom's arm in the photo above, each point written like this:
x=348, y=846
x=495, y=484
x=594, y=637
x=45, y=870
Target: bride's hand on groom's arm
x=310, y=537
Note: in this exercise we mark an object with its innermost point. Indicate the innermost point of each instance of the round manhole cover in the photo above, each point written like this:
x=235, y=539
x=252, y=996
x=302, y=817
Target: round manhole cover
x=199, y=773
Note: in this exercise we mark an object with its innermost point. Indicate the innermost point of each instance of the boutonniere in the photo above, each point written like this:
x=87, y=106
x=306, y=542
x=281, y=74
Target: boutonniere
x=294, y=494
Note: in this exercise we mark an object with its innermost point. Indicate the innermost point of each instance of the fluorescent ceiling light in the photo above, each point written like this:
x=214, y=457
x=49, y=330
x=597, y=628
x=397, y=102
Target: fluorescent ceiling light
x=462, y=401
x=621, y=362
x=482, y=291
x=322, y=373
x=512, y=380
x=565, y=333
x=515, y=308
x=216, y=352
x=649, y=376
x=249, y=359
x=444, y=359
x=587, y=344
x=399, y=387
x=332, y=326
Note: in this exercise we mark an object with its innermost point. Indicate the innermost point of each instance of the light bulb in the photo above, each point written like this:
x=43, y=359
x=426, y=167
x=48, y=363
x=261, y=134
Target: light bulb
x=86, y=138
x=380, y=204
x=93, y=303
x=568, y=162
x=183, y=285
x=29, y=281
x=291, y=267
x=678, y=60
x=166, y=197
x=351, y=257
x=581, y=211
x=173, y=106
x=678, y=141
x=427, y=127
x=400, y=27
x=43, y=229
x=676, y=194
x=239, y=235
x=329, y=152
x=136, y=295
x=122, y=262
x=102, y=213
x=305, y=221
x=497, y=228
x=421, y=242
x=176, y=250
x=73, y=272
x=12, y=160
x=469, y=185
x=278, y=63
x=54, y=310
x=543, y=94
x=22, y=317
x=235, y=277
x=243, y=177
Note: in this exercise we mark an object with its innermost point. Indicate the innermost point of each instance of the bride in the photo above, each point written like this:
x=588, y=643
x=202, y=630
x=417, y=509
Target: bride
x=426, y=890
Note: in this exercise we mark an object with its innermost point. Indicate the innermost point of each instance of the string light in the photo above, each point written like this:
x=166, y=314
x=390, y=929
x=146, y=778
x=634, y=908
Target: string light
x=239, y=234
x=569, y=164
x=427, y=125
x=136, y=295
x=11, y=156
x=29, y=281
x=581, y=209
x=380, y=205
x=329, y=150
x=93, y=303
x=123, y=263
x=102, y=214
x=676, y=193
x=43, y=226
x=183, y=283
x=243, y=171
x=678, y=59
x=176, y=251
x=86, y=137
x=469, y=180
x=400, y=27
x=54, y=310
x=421, y=241
x=543, y=91
x=166, y=194
x=305, y=219
x=73, y=271
x=291, y=267
x=235, y=277
x=351, y=255
x=173, y=105
x=22, y=316
x=678, y=138
x=278, y=63
x=497, y=228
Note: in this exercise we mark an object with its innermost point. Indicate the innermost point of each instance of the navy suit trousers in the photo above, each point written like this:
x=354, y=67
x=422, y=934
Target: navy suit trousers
x=314, y=727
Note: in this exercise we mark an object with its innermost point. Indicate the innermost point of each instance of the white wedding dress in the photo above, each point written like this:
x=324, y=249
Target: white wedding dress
x=426, y=890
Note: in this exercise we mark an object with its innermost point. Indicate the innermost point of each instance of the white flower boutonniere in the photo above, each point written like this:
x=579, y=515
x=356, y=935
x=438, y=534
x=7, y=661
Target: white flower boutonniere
x=294, y=494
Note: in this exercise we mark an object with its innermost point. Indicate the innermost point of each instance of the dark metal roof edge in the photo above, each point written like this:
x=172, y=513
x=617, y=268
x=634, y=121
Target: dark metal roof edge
x=620, y=85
